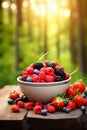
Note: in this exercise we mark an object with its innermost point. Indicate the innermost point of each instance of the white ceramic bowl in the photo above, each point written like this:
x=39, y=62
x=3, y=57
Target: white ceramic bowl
x=43, y=92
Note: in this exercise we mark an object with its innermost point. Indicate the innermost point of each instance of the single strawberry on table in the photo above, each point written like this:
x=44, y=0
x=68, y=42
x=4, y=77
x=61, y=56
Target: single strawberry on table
x=58, y=102
x=70, y=92
x=79, y=100
x=14, y=95
x=79, y=87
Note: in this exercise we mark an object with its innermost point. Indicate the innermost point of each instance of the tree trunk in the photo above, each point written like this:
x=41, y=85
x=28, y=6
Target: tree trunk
x=73, y=48
x=81, y=37
x=29, y=20
x=18, y=23
x=45, y=30
x=1, y=22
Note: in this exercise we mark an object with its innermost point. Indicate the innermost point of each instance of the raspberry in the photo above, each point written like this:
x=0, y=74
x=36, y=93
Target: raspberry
x=38, y=103
x=43, y=69
x=36, y=78
x=42, y=75
x=15, y=108
x=30, y=70
x=29, y=105
x=38, y=65
x=24, y=74
x=21, y=104
x=51, y=109
x=49, y=70
x=50, y=78
x=37, y=109
x=67, y=75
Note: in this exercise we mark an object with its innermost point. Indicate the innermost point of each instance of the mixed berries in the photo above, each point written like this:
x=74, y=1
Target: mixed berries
x=47, y=71
x=74, y=98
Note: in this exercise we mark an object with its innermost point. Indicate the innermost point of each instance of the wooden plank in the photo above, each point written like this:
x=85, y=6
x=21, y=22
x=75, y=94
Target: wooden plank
x=58, y=120
x=5, y=111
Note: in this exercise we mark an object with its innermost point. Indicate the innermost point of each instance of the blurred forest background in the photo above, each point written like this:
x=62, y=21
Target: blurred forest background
x=30, y=28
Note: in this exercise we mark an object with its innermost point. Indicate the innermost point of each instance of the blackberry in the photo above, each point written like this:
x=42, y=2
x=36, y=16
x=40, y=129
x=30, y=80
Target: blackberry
x=50, y=64
x=61, y=73
x=58, y=78
x=38, y=65
x=24, y=78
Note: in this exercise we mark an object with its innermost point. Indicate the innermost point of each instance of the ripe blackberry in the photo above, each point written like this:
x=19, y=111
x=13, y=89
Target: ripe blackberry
x=50, y=64
x=58, y=78
x=61, y=73
x=38, y=65
x=24, y=78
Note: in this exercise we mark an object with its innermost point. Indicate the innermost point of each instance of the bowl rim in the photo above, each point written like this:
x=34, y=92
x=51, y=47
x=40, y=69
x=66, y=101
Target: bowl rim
x=44, y=83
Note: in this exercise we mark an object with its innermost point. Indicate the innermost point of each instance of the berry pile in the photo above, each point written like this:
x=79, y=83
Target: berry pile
x=75, y=97
x=44, y=72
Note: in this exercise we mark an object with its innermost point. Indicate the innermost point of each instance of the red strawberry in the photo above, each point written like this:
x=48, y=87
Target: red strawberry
x=79, y=86
x=14, y=95
x=21, y=104
x=58, y=102
x=51, y=108
x=49, y=71
x=70, y=92
x=71, y=104
x=29, y=105
x=15, y=108
x=79, y=100
x=37, y=109
x=50, y=78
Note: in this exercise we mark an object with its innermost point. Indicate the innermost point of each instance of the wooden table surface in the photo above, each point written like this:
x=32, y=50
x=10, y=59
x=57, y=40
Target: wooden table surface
x=27, y=120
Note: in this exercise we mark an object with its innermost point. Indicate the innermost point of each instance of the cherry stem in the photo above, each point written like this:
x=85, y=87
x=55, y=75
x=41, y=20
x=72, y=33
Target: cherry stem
x=74, y=71
x=43, y=56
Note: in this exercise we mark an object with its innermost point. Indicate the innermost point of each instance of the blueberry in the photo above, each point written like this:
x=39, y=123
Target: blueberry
x=66, y=110
x=36, y=71
x=83, y=108
x=10, y=101
x=44, y=112
x=29, y=79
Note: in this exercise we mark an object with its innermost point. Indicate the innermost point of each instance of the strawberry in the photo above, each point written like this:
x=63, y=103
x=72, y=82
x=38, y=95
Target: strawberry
x=21, y=104
x=14, y=95
x=70, y=92
x=58, y=102
x=29, y=106
x=51, y=108
x=37, y=109
x=71, y=105
x=79, y=86
x=79, y=100
x=15, y=108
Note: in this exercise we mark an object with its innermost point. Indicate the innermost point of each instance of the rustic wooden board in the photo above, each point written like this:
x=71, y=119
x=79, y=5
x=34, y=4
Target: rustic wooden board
x=5, y=109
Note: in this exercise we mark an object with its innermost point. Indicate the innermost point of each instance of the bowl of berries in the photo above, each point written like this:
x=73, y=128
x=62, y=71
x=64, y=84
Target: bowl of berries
x=41, y=81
